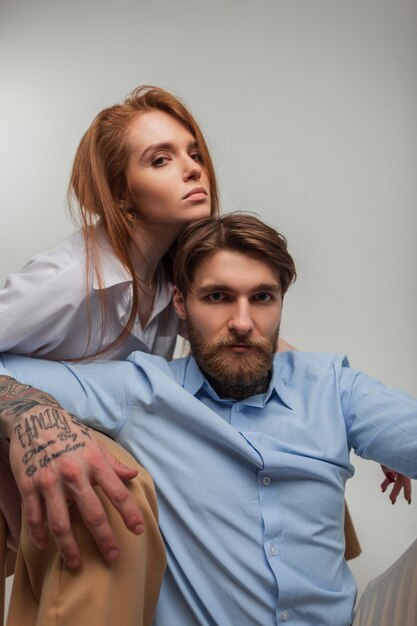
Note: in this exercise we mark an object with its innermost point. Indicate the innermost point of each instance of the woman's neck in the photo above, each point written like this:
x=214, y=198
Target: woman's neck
x=149, y=247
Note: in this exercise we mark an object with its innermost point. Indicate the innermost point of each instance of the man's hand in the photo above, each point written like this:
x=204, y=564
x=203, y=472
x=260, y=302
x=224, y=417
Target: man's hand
x=399, y=482
x=56, y=462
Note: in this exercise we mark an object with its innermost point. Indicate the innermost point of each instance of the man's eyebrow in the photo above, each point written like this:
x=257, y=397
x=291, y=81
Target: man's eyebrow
x=214, y=287
x=164, y=145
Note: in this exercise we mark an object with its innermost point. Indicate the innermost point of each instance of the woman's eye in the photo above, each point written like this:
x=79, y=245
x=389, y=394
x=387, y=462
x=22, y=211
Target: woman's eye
x=196, y=156
x=159, y=161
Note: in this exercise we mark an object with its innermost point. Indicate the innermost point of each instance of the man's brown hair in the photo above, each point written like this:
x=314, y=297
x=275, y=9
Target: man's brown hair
x=236, y=231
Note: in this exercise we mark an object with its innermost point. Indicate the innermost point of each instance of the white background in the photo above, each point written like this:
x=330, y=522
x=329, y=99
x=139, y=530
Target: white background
x=309, y=107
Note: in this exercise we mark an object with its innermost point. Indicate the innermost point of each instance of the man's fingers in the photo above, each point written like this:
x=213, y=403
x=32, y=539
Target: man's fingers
x=60, y=527
x=95, y=519
x=34, y=514
x=121, y=499
x=123, y=471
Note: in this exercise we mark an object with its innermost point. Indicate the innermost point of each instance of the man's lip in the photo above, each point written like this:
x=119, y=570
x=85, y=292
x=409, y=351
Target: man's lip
x=240, y=347
x=196, y=190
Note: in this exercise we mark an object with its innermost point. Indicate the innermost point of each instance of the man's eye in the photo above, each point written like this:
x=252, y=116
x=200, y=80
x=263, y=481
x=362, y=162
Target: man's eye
x=262, y=297
x=215, y=297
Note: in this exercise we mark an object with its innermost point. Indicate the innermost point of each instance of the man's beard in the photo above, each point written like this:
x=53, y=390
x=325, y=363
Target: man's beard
x=236, y=375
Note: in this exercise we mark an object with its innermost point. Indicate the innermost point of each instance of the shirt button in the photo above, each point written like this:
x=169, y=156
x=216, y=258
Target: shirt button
x=284, y=616
x=238, y=408
x=273, y=551
x=266, y=481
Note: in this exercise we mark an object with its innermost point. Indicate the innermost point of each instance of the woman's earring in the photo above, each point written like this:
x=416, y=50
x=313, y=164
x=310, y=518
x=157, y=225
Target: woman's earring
x=130, y=215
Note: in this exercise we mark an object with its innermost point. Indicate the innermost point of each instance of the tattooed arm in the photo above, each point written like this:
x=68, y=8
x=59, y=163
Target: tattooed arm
x=56, y=460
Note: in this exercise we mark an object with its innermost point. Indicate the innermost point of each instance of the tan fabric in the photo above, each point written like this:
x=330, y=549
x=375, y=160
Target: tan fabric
x=3, y=548
x=391, y=599
x=352, y=545
x=122, y=593
x=9, y=497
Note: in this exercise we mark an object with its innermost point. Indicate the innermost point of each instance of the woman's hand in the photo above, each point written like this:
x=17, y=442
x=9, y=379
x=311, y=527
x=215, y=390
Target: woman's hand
x=56, y=462
x=398, y=481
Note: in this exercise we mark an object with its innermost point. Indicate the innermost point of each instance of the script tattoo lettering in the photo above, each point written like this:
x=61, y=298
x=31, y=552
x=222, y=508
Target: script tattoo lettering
x=48, y=458
x=43, y=428
x=44, y=420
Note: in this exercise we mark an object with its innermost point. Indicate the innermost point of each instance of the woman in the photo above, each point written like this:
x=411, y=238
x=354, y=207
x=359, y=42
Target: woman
x=141, y=173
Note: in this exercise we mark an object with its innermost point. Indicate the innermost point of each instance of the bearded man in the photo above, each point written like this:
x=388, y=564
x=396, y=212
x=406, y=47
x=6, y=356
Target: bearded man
x=248, y=450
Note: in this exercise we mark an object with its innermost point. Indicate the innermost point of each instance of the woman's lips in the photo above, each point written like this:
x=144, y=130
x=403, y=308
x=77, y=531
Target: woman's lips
x=196, y=194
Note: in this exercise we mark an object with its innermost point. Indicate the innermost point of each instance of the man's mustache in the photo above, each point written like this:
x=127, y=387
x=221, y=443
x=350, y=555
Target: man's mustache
x=261, y=343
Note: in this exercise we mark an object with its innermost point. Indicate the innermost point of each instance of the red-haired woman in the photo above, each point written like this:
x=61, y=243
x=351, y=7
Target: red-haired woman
x=141, y=173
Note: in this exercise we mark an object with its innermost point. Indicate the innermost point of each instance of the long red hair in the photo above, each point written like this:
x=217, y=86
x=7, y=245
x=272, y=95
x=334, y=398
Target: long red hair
x=98, y=181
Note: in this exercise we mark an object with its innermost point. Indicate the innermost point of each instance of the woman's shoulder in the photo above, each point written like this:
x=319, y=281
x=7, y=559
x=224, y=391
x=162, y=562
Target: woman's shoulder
x=66, y=254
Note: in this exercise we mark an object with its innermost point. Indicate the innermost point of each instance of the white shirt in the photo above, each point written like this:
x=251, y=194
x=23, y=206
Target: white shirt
x=45, y=312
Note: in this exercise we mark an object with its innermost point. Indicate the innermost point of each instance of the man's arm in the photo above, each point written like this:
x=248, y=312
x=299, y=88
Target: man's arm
x=56, y=461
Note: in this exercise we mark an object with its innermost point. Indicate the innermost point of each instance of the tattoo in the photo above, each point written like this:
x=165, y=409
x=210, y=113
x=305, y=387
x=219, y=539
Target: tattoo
x=46, y=419
x=17, y=398
x=46, y=459
x=30, y=414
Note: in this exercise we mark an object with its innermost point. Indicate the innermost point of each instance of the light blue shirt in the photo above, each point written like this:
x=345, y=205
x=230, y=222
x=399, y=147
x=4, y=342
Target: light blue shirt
x=250, y=493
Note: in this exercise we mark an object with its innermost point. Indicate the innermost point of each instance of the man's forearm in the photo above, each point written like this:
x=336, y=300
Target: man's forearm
x=38, y=422
x=17, y=398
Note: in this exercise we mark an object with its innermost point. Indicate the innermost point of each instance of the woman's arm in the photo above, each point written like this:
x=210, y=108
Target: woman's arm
x=39, y=305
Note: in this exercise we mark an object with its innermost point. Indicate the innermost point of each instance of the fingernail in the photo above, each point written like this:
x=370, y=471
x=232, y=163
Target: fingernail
x=113, y=554
x=138, y=529
x=73, y=563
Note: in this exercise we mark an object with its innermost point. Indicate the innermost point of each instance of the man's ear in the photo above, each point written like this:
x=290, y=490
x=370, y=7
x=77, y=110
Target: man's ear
x=179, y=303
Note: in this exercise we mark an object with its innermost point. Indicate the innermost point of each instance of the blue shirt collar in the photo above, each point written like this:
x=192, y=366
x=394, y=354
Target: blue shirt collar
x=194, y=380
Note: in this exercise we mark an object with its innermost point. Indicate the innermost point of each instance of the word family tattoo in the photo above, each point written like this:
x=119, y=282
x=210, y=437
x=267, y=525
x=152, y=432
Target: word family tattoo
x=39, y=412
x=45, y=419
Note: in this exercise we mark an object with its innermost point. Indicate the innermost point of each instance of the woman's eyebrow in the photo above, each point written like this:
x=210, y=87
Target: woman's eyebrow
x=164, y=145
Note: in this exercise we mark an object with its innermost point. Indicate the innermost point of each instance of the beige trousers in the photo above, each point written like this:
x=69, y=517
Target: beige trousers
x=123, y=592
x=391, y=598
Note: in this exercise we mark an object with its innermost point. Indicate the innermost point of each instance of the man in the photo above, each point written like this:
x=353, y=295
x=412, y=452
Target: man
x=249, y=451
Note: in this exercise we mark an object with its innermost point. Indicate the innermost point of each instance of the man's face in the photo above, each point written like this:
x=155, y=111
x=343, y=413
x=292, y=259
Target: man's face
x=233, y=311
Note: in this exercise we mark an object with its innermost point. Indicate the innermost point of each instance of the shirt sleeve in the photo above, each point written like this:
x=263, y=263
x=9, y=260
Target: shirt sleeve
x=381, y=421
x=38, y=304
x=100, y=394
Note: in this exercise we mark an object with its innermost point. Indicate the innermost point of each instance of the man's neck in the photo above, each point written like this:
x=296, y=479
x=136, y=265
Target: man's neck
x=236, y=391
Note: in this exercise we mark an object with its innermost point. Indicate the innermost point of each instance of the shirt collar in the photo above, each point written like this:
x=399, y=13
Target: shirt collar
x=194, y=380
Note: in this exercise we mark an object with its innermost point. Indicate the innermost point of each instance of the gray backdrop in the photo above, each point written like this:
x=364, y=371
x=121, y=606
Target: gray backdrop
x=309, y=107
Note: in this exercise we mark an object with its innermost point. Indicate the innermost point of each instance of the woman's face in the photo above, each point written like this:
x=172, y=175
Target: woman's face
x=167, y=180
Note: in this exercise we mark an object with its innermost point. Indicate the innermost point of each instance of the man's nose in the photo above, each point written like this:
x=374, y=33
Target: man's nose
x=241, y=321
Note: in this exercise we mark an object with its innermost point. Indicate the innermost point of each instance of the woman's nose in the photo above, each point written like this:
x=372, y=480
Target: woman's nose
x=192, y=169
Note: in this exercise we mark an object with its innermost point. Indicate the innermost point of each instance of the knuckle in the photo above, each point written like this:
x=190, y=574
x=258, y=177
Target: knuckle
x=34, y=522
x=46, y=482
x=70, y=472
x=120, y=496
x=58, y=528
x=96, y=519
